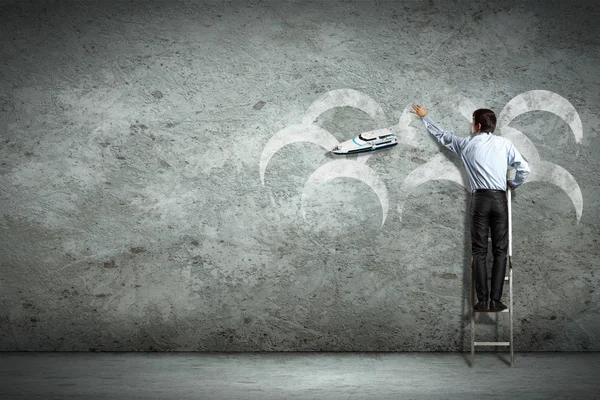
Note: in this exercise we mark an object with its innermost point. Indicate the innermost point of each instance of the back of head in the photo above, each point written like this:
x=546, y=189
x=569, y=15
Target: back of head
x=486, y=118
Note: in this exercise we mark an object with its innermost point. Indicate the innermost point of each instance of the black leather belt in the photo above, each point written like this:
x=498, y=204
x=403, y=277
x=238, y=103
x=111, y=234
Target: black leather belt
x=488, y=190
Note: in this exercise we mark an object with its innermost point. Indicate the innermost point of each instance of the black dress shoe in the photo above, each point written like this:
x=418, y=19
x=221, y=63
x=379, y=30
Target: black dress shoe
x=496, y=305
x=482, y=305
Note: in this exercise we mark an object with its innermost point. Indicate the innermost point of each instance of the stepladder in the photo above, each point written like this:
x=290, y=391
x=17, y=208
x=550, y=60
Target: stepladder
x=508, y=311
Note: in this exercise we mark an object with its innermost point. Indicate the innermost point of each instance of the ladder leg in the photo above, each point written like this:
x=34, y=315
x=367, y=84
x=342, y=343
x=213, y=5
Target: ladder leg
x=510, y=277
x=472, y=338
x=510, y=284
x=472, y=317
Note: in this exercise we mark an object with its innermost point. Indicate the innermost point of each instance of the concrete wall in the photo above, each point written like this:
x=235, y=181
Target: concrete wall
x=164, y=184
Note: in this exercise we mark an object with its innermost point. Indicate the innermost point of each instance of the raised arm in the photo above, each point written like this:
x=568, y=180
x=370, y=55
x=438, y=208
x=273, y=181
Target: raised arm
x=446, y=138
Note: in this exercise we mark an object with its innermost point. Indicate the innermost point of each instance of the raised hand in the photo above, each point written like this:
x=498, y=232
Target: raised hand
x=419, y=110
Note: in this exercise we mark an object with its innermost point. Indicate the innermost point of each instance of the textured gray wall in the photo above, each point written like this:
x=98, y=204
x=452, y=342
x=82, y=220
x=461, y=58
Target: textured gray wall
x=134, y=217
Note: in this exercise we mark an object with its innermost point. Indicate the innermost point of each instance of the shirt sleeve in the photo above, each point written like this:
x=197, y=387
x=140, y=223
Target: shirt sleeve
x=446, y=138
x=516, y=160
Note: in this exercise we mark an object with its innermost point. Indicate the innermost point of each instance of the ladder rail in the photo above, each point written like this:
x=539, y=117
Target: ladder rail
x=510, y=276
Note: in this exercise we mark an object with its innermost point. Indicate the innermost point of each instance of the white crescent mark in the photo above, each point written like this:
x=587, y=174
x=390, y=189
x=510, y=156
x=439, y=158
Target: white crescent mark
x=521, y=142
x=542, y=100
x=466, y=108
x=291, y=134
x=438, y=168
x=409, y=134
x=345, y=98
x=555, y=174
x=347, y=169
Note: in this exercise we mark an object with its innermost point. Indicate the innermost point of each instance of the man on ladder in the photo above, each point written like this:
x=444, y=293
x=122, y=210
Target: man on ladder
x=486, y=158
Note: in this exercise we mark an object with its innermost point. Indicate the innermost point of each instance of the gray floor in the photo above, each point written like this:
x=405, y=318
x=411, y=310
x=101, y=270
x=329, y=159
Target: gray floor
x=298, y=376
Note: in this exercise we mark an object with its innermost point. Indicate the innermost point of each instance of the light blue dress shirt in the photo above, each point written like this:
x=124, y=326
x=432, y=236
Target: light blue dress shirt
x=486, y=157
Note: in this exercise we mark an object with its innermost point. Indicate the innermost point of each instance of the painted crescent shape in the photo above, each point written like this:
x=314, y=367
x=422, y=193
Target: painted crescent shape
x=409, y=134
x=466, y=108
x=521, y=142
x=291, y=134
x=361, y=158
x=347, y=169
x=555, y=174
x=542, y=100
x=438, y=168
x=345, y=98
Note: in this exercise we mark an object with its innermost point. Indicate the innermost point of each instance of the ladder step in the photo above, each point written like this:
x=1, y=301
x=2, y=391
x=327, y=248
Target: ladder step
x=489, y=311
x=491, y=343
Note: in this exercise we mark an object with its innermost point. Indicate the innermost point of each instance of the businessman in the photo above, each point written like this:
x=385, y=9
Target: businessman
x=486, y=158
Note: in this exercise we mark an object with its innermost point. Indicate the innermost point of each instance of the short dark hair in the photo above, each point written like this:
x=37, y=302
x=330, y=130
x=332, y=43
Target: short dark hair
x=486, y=118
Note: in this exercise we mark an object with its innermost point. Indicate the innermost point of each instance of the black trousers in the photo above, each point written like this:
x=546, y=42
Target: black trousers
x=489, y=211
